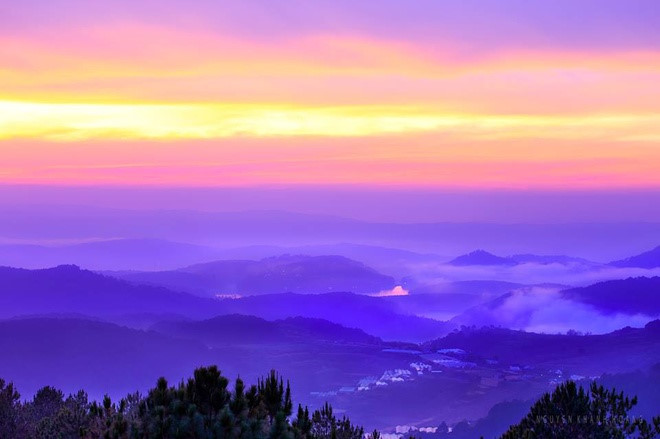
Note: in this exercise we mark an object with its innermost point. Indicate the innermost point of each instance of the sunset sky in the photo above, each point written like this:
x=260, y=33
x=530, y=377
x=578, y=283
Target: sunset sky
x=543, y=95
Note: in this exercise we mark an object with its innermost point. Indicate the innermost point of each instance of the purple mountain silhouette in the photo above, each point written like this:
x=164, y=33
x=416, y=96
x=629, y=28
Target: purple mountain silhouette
x=649, y=259
x=282, y=274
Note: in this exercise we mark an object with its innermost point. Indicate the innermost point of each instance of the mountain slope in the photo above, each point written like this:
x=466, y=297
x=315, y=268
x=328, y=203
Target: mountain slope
x=282, y=274
x=394, y=261
x=373, y=315
x=480, y=257
x=639, y=295
x=238, y=329
x=649, y=259
x=114, y=254
x=234, y=229
x=97, y=356
x=101, y=357
x=625, y=349
x=69, y=289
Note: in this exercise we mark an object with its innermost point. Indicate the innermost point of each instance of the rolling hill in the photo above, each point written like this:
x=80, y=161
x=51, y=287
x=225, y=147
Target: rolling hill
x=244, y=228
x=393, y=261
x=649, y=259
x=69, y=289
x=79, y=353
x=282, y=274
x=113, y=254
x=374, y=315
x=482, y=257
x=622, y=350
x=639, y=295
x=241, y=329
x=103, y=357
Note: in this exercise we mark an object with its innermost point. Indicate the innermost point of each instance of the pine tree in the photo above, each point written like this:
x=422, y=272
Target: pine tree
x=202, y=407
x=302, y=426
x=208, y=390
x=571, y=412
x=275, y=397
x=9, y=410
x=239, y=403
x=324, y=423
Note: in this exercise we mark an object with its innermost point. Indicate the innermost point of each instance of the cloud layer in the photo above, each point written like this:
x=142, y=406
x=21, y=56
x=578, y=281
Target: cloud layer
x=564, y=274
x=545, y=310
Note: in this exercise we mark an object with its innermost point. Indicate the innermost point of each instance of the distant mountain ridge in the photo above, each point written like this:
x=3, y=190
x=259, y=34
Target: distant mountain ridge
x=78, y=352
x=112, y=254
x=237, y=328
x=375, y=315
x=393, y=261
x=282, y=274
x=482, y=257
x=104, y=357
x=512, y=346
x=639, y=295
x=149, y=254
x=239, y=229
x=649, y=259
x=69, y=289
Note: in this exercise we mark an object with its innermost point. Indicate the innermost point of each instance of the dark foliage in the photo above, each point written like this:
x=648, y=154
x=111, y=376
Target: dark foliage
x=202, y=407
x=570, y=412
x=633, y=295
x=649, y=259
x=481, y=257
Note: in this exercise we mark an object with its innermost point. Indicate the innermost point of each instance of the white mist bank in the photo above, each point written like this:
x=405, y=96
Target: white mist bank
x=565, y=274
x=545, y=310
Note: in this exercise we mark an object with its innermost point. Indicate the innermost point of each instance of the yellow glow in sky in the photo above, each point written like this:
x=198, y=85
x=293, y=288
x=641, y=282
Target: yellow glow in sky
x=66, y=122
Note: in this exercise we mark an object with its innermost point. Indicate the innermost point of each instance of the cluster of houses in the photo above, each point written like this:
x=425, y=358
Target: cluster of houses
x=431, y=363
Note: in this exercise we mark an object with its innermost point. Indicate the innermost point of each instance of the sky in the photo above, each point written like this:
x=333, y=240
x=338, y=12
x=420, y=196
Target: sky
x=467, y=95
